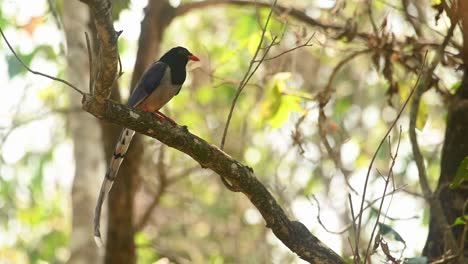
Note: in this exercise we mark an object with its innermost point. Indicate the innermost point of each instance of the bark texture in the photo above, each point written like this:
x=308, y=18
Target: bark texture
x=455, y=149
x=86, y=137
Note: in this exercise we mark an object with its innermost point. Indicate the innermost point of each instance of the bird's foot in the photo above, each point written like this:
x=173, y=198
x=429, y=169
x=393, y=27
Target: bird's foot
x=162, y=117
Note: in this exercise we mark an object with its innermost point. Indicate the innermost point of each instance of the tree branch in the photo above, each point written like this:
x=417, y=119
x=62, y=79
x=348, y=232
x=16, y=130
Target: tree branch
x=292, y=233
x=296, y=13
x=423, y=86
x=108, y=53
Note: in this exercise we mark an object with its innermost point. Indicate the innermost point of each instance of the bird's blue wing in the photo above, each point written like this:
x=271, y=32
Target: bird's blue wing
x=148, y=83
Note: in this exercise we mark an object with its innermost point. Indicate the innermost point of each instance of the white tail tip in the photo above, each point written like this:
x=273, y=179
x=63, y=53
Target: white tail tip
x=98, y=241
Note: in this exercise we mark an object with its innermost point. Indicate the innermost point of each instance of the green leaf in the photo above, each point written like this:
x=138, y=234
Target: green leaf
x=460, y=220
x=14, y=66
x=276, y=107
x=455, y=86
x=461, y=174
x=386, y=229
x=422, y=115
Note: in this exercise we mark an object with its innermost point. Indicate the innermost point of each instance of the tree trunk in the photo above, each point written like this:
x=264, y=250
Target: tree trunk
x=86, y=137
x=120, y=244
x=454, y=151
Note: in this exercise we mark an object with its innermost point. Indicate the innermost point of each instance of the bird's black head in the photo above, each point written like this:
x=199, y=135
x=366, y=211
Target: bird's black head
x=177, y=57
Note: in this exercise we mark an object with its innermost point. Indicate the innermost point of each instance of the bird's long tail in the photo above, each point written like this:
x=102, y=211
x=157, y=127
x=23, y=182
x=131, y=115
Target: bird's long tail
x=119, y=153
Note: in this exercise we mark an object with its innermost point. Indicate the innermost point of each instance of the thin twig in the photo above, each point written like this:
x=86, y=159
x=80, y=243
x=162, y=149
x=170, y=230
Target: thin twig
x=371, y=17
x=164, y=183
x=36, y=72
x=248, y=73
x=369, y=205
x=91, y=66
x=324, y=96
x=305, y=44
x=162, y=177
x=387, y=181
x=378, y=148
x=53, y=10
x=353, y=223
x=424, y=85
x=318, y=216
x=335, y=156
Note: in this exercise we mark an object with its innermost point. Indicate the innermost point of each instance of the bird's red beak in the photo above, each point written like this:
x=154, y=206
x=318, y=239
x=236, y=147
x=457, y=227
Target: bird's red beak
x=193, y=57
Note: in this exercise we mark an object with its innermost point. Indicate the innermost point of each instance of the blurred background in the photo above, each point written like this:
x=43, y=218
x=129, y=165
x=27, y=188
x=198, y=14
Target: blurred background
x=53, y=155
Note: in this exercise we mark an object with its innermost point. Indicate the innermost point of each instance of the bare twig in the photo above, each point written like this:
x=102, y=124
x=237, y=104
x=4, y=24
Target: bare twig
x=36, y=72
x=318, y=216
x=164, y=182
x=91, y=66
x=162, y=177
x=324, y=95
x=353, y=224
x=323, y=98
x=53, y=10
x=377, y=150
x=371, y=17
x=248, y=74
x=423, y=86
x=335, y=156
x=305, y=44
x=387, y=181
x=369, y=205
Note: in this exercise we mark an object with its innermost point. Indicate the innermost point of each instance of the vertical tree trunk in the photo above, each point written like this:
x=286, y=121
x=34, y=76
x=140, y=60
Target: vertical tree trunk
x=454, y=151
x=120, y=247
x=158, y=16
x=86, y=137
x=120, y=244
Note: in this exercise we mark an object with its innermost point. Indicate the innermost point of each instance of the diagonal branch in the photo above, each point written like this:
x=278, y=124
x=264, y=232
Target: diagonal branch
x=292, y=233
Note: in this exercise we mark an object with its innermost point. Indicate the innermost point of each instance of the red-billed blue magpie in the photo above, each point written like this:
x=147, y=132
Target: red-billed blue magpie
x=159, y=83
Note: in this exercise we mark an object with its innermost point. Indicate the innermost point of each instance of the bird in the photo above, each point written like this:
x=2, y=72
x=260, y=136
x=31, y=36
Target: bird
x=160, y=82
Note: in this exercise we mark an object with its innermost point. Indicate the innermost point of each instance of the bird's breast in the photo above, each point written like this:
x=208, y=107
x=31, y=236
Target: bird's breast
x=163, y=93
